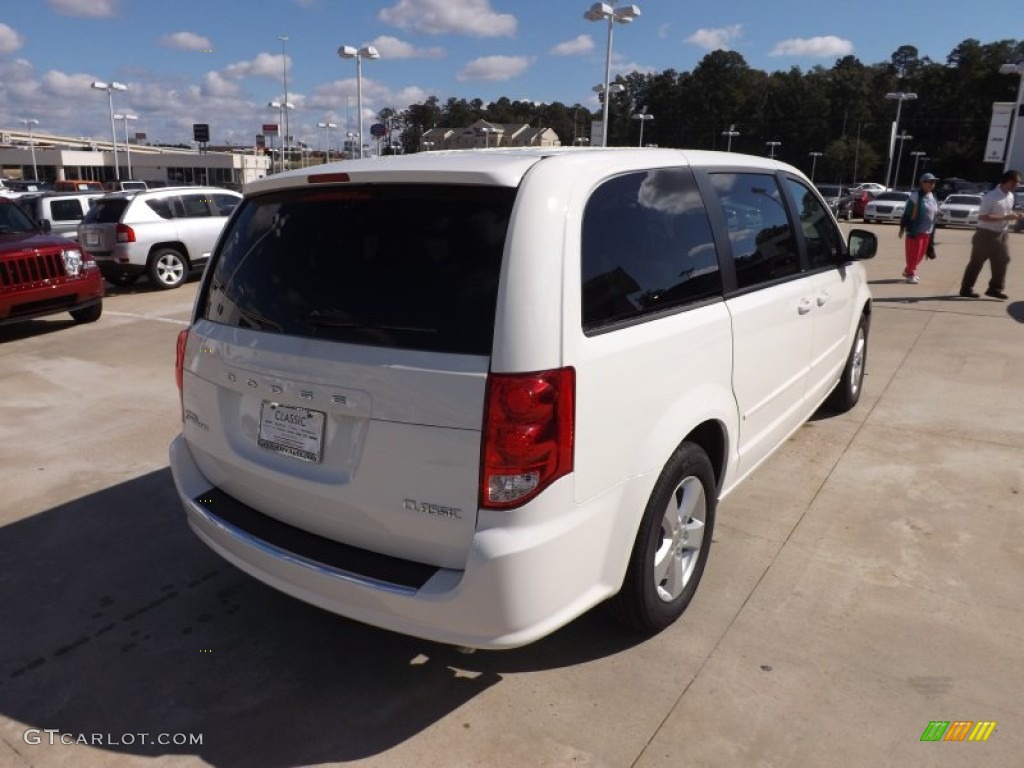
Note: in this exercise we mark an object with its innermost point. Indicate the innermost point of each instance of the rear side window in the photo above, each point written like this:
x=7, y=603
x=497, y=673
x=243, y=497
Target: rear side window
x=162, y=206
x=107, y=211
x=410, y=266
x=764, y=248
x=646, y=247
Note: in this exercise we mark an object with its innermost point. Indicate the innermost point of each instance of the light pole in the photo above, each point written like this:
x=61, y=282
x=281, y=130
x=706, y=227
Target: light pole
x=604, y=94
x=918, y=155
x=899, y=97
x=896, y=176
x=366, y=52
x=282, y=107
x=284, y=77
x=327, y=132
x=110, y=88
x=643, y=117
x=127, y=148
x=608, y=12
x=426, y=145
x=352, y=136
x=771, y=148
x=487, y=136
x=1010, y=69
x=29, y=122
x=814, y=163
x=730, y=133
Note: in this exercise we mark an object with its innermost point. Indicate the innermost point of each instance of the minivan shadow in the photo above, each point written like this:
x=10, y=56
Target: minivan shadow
x=118, y=621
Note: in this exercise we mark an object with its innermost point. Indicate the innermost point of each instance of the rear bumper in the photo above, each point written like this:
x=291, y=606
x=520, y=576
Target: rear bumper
x=520, y=583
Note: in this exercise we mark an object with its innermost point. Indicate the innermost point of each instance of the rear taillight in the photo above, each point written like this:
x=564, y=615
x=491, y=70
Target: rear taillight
x=179, y=368
x=125, y=234
x=528, y=435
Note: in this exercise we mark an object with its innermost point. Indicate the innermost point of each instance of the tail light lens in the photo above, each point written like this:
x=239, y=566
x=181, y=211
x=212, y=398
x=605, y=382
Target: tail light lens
x=179, y=368
x=125, y=234
x=529, y=423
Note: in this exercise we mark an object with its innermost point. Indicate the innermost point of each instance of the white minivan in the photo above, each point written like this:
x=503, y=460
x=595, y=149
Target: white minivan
x=469, y=395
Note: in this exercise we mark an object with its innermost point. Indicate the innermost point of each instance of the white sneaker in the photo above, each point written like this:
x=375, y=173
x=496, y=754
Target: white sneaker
x=913, y=279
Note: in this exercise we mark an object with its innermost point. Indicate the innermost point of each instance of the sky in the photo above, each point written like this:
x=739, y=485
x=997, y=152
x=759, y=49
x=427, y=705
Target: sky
x=220, y=62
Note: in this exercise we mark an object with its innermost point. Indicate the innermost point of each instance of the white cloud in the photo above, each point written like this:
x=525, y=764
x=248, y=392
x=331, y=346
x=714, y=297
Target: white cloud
x=716, y=39
x=264, y=65
x=578, y=45
x=393, y=48
x=820, y=47
x=92, y=9
x=10, y=41
x=56, y=83
x=494, y=68
x=187, y=41
x=663, y=30
x=215, y=84
x=474, y=18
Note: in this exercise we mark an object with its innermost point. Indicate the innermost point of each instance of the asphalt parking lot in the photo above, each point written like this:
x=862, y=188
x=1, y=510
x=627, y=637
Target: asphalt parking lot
x=862, y=584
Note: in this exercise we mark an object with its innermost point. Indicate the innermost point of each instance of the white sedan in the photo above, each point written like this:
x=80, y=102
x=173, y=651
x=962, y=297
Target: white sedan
x=870, y=186
x=888, y=206
x=959, y=210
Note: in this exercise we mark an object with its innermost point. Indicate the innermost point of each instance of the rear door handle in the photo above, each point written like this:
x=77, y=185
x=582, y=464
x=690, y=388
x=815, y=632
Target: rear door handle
x=804, y=306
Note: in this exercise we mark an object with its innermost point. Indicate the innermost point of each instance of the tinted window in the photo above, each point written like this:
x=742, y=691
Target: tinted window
x=161, y=206
x=65, y=210
x=13, y=219
x=763, y=246
x=646, y=247
x=412, y=266
x=225, y=203
x=106, y=211
x=824, y=243
x=197, y=206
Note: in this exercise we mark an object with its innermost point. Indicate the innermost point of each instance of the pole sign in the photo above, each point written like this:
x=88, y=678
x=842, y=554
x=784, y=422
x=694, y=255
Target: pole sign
x=270, y=129
x=201, y=132
x=998, y=130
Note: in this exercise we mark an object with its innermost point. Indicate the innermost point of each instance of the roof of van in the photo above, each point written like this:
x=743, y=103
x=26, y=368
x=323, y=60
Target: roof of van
x=496, y=167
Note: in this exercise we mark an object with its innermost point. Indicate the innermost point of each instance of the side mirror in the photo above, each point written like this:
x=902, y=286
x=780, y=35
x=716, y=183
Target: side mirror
x=44, y=224
x=862, y=244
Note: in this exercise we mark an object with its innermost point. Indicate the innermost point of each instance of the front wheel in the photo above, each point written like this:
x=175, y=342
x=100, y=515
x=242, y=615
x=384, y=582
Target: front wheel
x=168, y=268
x=672, y=545
x=847, y=392
x=88, y=314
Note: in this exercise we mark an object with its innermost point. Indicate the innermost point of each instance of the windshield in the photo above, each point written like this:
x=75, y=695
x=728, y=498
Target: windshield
x=963, y=200
x=411, y=266
x=14, y=221
x=890, y=196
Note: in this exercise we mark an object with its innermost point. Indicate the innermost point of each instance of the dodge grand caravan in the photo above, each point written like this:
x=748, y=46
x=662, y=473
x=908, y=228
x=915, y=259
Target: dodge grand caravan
x=467, y=396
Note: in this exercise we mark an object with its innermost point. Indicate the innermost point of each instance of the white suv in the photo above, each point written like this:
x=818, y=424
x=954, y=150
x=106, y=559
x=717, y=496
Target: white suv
x=163, y=233
x=467, y=396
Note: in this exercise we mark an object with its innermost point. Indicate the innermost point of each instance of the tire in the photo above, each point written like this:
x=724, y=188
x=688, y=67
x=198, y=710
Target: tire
x=672, y=545
x=123, y=281
x=168, y=268
x=847, y=392
x=88, y=314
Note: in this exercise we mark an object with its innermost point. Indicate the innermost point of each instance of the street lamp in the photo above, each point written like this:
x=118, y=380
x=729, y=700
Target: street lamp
x=327, y=132
x=918, y=155
x=899, y=97
x=284, y=67
x=814, y=163
x=366, y=52
x=110, y=88
x=604, y=95
x=896, y=176
x=643, y=117
x=352, y=137
x=730, y=133
x=128, y=150
x=771, y=148
x=426, y=145
x=487, y=136
x=282, y=107
x=29, y=122
x=1010, y=69
x=608, y=12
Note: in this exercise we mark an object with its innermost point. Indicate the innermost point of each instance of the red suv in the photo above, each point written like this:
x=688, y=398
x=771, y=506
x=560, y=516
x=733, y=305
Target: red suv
x=44, y=274
x=861, y=198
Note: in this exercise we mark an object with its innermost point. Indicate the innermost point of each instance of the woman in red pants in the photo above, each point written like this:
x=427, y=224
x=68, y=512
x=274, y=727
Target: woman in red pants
x=918, y=223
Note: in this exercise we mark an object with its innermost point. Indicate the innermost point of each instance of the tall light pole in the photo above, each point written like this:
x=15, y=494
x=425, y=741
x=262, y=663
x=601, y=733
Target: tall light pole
x=608, y=12
x=918, y=155
x=814, y=163
x=903, y=137
x=282, y=107
x=284, y=77
x=352, y=136
x=426, y=145
x=127, y=148
x=29, y=122
x=110, y=88
x=899, y=97
x=327, y=132
x=1009, y=69
x=771, y=148
x=730, y=133
x=643, y=117
x=604, y=94
x=366, y=52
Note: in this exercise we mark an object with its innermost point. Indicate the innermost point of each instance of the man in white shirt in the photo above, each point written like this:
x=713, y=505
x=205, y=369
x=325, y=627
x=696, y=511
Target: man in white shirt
x=989, y=242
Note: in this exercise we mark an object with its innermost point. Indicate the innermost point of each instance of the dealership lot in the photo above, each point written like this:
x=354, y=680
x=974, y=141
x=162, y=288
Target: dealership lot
x=862, y=584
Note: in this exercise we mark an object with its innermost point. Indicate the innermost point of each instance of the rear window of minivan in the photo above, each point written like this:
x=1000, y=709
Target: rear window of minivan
x=394, y=265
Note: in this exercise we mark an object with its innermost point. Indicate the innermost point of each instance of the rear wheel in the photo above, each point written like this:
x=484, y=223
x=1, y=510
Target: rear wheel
x=847, y=392
x=672, y=545
x=168, y=268
x=88, y=314
x=123, y=280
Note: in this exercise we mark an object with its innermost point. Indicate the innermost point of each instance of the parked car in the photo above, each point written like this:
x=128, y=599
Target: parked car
x=861, y=198
x=521, y=399
x=165, y=233
x=870, y=186
x=839, y=199
x=959, y=210
x=44, y=274
x=887, y=206
x=124, y=185
x=14, y=188
x=77, y=185
x=58, y=212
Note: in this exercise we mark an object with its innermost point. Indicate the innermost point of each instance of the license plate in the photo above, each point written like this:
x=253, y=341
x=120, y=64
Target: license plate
x=92, y=238
x=295, y=432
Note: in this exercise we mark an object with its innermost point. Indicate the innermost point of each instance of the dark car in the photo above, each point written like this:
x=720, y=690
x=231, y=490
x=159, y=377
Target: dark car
x=1018, y=205
x=44, y=274
x=839, y=199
